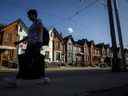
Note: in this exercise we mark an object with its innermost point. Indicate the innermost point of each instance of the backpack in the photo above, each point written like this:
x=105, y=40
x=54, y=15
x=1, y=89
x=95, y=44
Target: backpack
x=45, y=37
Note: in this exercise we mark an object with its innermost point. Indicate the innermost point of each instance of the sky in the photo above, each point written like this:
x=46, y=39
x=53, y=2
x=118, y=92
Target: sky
x=90, y=20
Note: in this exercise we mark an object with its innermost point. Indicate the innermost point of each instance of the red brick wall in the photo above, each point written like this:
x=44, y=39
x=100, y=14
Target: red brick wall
x=9, y=37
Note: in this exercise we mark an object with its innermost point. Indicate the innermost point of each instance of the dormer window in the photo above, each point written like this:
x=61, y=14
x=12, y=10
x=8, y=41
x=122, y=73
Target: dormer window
x=20, y=29
x=52, y=34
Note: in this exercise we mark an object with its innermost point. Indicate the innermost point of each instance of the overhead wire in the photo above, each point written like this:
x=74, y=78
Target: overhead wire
x=77, y=12
x=124, y=29
x=82, y=9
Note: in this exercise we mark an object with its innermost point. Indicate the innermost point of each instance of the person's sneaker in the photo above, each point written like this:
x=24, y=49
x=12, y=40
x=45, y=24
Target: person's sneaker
x=44, y=80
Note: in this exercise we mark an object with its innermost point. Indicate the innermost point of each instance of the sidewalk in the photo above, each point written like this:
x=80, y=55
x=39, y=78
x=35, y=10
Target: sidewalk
x=4, y=69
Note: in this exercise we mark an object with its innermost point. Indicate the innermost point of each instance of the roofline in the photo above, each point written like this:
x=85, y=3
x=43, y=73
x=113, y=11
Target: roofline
x=18, y=20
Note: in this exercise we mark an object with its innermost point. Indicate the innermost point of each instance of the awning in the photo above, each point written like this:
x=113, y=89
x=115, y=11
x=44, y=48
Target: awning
x=7, y=47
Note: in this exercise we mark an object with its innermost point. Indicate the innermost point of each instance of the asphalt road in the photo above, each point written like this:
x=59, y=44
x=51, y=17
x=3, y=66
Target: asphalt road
x=114, y=91
x=72, y=83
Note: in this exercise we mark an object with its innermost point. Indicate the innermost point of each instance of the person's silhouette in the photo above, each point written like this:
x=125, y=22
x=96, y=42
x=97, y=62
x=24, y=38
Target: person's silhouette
x=31, y=63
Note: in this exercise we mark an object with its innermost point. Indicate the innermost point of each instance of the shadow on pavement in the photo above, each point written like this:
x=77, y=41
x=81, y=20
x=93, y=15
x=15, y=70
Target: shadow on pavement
x=114, y=91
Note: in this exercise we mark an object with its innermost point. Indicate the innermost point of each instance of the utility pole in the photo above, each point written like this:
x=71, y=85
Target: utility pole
x=123, y=65
x=115, y=64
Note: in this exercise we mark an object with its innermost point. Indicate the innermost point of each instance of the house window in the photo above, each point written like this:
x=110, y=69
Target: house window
x=11, y=53
x=51, y=34
x=20, y=29
x=6, y=38
x=10, y=37
x=47, y=54
x=69, y=54
x=58, y=45
x=58, y=56
x=6, y=52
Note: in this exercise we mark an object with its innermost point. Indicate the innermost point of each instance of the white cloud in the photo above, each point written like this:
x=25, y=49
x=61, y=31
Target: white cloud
x=70, y=30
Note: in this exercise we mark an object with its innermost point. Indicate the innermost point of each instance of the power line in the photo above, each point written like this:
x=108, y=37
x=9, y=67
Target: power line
x=77, y=12
x=82, y=9
x=124, y=18
x=102, y=3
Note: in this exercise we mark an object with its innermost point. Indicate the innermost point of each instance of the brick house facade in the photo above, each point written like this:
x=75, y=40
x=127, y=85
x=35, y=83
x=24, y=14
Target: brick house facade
x=9, y=35
x=54, y=51
x=61, y=50
x=68, y=50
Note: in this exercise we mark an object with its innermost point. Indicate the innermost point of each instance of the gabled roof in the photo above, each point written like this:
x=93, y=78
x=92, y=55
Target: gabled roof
x=100, y=45
x=89, y=43
x=14, y=22
x=107, y=46
x=20, y=21
x=56, y=33
x=67, y=38
x=82, y=41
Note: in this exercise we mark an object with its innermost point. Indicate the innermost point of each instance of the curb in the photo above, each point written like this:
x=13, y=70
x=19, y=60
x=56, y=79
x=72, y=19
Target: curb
x=59, y=69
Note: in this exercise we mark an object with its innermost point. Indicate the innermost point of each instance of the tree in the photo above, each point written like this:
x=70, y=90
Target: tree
x=2, y=26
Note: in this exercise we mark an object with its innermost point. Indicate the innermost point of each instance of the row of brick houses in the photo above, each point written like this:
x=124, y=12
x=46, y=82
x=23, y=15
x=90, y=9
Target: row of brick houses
x=61, y=50
x=67, y=51
x=85, y=53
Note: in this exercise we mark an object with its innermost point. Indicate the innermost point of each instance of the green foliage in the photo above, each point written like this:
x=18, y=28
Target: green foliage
x=2, y=26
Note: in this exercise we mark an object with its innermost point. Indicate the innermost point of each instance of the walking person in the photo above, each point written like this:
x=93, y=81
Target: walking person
x=31, y=64
x=34, y=44
x=35, y=40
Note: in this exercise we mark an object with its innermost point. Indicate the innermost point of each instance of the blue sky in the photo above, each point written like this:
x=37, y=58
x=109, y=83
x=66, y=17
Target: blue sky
x=91, y=23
